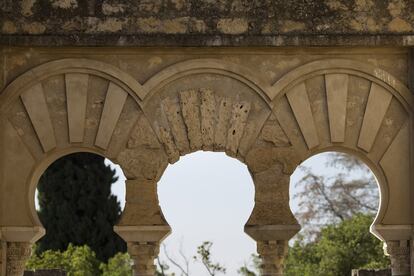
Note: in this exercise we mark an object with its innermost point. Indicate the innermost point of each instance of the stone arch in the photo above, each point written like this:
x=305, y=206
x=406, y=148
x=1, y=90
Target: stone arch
x=82, y=105
x=206, y=105
x=343, y=105
x=350, y=106
x=57, y=108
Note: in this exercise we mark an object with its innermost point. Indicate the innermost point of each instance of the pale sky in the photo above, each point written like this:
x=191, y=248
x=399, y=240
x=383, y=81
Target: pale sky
x=209, y=196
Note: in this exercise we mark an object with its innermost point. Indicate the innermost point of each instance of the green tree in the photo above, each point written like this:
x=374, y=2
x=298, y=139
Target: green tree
x=76, y=261
x=341, y=248
x=204, y=255
x=324, y=200
x=76, y=206
x=118, y=265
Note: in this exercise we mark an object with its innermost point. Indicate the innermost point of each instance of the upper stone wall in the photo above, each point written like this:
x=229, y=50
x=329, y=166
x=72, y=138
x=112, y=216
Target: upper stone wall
x=207, y=22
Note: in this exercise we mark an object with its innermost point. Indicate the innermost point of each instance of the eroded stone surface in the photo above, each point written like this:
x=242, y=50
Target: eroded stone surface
x=191, y=112
x=238, y=121
x=257, y=21
x=143, y=157
x=208, y=118
x=176, y=122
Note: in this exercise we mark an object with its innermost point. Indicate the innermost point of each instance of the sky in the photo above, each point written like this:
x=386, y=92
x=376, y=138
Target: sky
x=208, y=196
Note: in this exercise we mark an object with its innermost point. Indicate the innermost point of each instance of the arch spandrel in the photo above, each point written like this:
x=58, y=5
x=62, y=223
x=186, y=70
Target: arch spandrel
x=206, y=110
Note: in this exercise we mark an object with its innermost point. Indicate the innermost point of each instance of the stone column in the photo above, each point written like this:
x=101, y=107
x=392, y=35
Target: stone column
x=143, y=245
x=143, y=255
x=16, y=257
x=16, y=247
x=272, y=223
x=272, y=245
x=142, y=225
x=272, y=254
x=399, y=252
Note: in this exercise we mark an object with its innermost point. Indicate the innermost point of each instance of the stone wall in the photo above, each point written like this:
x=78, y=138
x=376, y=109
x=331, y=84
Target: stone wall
x=371, y=272
x=207, y=22
x=45, y=272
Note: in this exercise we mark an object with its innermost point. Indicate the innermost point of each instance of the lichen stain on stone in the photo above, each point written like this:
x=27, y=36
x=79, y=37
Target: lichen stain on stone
x=109, y=9
x=26, y=6
x=363, y=5
x=64, y=4
x=372, y=25
x=395, y=7
x=16, y=61
x=197, y=26
x=237, y=6
x=149, y=24
x=34, y=28
x=267, y=28
x=72, y=25
x=291, y=26
x=107, y=25
x=336, y=5
x=220, y=5
x=365, y=23
x=9, y=27
x=154, y=61
x=179, y=4
x=150, y=6
x=399, y=25
x=232, y=26
x=175, y=26
x=355, y=25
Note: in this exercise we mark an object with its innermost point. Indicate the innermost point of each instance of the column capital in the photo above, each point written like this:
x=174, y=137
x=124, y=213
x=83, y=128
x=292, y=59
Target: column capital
x=21, y=234
x=393, y=232
x=143, y=233
x=272, y=232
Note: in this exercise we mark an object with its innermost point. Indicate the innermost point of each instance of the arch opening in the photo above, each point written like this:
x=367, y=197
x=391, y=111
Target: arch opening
x=77, y=202
x=207, y=196
x=336, y=198
x=342, y=184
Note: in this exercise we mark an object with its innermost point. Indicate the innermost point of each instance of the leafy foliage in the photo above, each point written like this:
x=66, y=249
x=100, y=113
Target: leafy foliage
x=76, y=261
x=341, y=248
x=118, y=265
x=76, y=206
x=81, y=261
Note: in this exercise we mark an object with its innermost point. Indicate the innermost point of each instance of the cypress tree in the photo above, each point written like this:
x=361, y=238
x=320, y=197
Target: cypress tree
x=76, y=205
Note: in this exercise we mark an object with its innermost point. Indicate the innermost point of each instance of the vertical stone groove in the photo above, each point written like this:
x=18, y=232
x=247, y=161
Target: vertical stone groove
x=208, y=118
x=191, y=113
x=240, y=114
